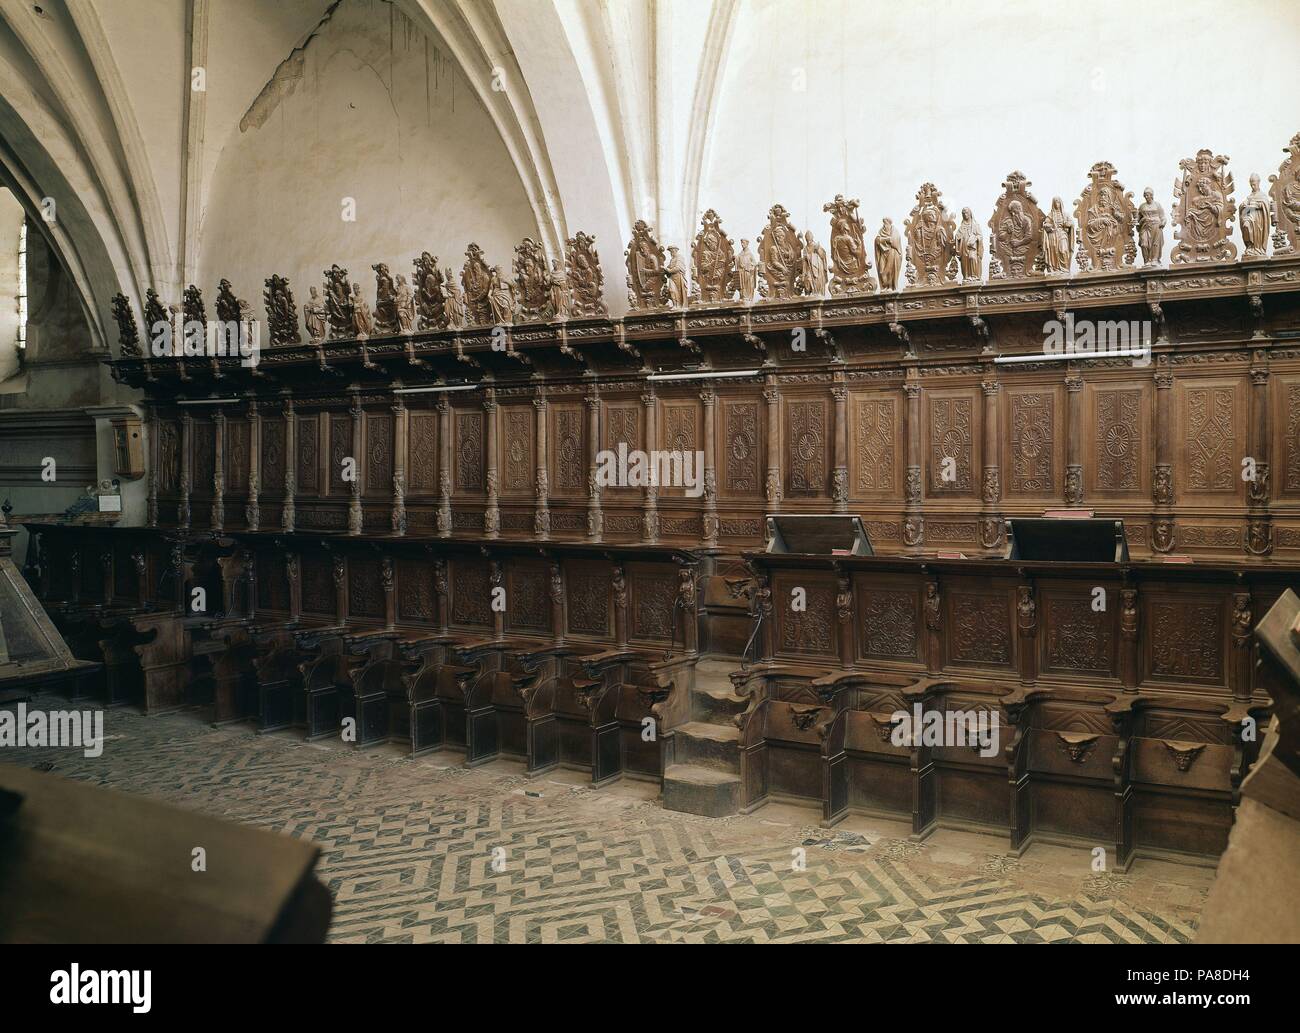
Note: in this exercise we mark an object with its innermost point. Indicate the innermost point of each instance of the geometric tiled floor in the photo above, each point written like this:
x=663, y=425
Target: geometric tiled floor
x=423, y=850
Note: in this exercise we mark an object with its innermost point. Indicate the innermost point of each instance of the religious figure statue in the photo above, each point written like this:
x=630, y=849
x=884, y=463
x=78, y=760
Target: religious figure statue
x=475, y=278
x=155, y=315
x=128, y=334
x=362, y=325
x=812, y=276
x=931, y=240
x=780, y=256
x=676, y=272
x=428, y=293
x=1106, y=217
x=405, y=302
x=646, y=280
x=501, y=297
x=453, y=301
x=1151, y=228
x=714, y=258
x=1253, y=217
x=227, y=304
x=746, y=273
x=587, y=282
x=1284, y=189
x=848, y=253
x=1057, y=243
x=558, y=289
x=889, y=255
x=338, y=302
x=313, y=314
x=1203, y=210
x=970, y=248
x=531, y=279
x=1016, y=239
x=385, y=321
x=281, y=312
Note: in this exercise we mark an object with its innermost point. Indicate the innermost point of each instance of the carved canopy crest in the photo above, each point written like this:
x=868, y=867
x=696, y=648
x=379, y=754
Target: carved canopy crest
x=1015, y=231
x=780, y=256
x=227, y=304
x=338, y=302
x=931, y=250
x=385, y=314
x=154, y=312
x=714, y=258
x=429, y=280
x=193, y=309
x=1203, y=210
x=849, y=266
x=128, y=334
x=476, y=278
x=1106, y=216
x=532, y=280
x=586, y=280
x=1284, y=189
x=646, y=281
x=281, y=312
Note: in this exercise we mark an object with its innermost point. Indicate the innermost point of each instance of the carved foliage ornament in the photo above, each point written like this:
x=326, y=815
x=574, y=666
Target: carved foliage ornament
x=281, y=312
x=1106, y=216
x=931, y=248
x=1016, y=237
x=1203, y=210
x=128, y=334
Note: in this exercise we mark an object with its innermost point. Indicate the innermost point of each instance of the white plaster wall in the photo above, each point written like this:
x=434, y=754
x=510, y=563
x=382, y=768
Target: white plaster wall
x=961, y=93
x=380, y=115
x=11, y=221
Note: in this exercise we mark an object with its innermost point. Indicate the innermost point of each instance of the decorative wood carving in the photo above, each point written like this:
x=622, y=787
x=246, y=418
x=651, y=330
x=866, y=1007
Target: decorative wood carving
x=1203, y=210
x=951, y=438
x=980, y=628
x=714, y=259
x=429, y=282
x=469, y=451
x=518, y=450
x=811, y=630
x=1033, y=443
x=476, y=282
x=1255, y=219
x=654, y=598
x=1015, y=240
x=338, y=302
x=128, y=334
x=1118, y=445
x=780, y=256
x=586, y=280
x=1078, y=638
x=1284, y=189
x=1213, y=459
x=588, y=602
x=1106, y=217
x=1077, y=745
x=422, y=468
x=806, y=447
x=1186, y=640
x=647, y=281
x=471, y=594
x=741, y=473
x=532, y=281
x=931, y=246
x=850, y=270
x=877, y=432
x=890, y=624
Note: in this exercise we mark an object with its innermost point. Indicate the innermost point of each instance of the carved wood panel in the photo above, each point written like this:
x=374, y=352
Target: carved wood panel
x=888, y=616
x=652, y=596
x=204, y=465
x=422, y=452
x=1034, y=444
x=809, y=631
x=1119, y=446
x=807, y=451
x=622, y=426
x=273, y=457
x=308, y=478
x=169, y=456
x=567, y=450
x=979, y=625
x=415, y=591
x=1287, y=435
x=516, y=462
x=1074, y=636
x=340, y=451
x=951, y=435
x=272, y=582
x=236, y=455
x=379, y=453
x=1186, y=636
x=365, y=596
x=469, y=451
x=588, y=599
x=528, y=600
x=876, y=444
x=317, y=584
x=471, y=593
x=679, y=432
x=1211, y=437
x=741, y=445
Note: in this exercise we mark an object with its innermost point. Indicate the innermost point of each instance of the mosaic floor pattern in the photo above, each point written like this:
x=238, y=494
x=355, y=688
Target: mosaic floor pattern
x=424, y=851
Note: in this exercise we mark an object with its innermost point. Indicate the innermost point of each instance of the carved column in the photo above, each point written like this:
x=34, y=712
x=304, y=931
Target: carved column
x=152, y=432
x=844, y=617
x=354, y=485
x=650, y=519
x=219, y=471
x=687, y=598
x=595, y=519
x=289, y=514
x=1242, y=660
x=542, y=514
x=444, y=468
x=840, y=474
x=557, y=601
x=991, y=527
x=933, y=627
x=295, y=585
x=388, y=582
x=492, y=514
x=710, y=399
x=440, y=590
x=1027, y=624
x=1162, y=486
x=620, y=606
x=1259, y=534
x=913, y=518
x=253, y=510
x=340, y=572
x=187, y=446
x=1074, y=437
x=401, y=422
x=772, y=399
x=1128, y=639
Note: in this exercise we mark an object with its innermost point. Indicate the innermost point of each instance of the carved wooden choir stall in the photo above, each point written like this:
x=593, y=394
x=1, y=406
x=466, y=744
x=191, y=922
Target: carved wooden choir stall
x=399, y=519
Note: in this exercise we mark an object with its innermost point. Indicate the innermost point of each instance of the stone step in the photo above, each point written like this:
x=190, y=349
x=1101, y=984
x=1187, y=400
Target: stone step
x=717, y=705
x=700, y=790
x=708, y=745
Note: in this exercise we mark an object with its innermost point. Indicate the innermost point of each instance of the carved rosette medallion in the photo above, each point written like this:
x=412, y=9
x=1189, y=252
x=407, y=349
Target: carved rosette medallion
x=1203, y=210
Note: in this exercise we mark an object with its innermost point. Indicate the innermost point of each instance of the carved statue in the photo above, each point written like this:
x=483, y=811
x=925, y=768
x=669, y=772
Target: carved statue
x=313, y=314
x=714, y=257
x=931, y=247
x=849, y=265
x=154, y=314
x=428, y=293
x=405, y=303
x=646, y=280
x=385, y=321
x=227, y=305
x=476, y=278
x=813, y=275
x=676, y=272
x=889, y=255
x=1203, y=210
x=531, y=281
x=128, y=334
x=1253, y=217
x=1105, y=216
x=746, y=273
x=561, y=301
x=453, y=302
x=1057, y=239
x=281, y=312
x=586, y=280
x=338, y=302
x=1284, y=189
x=362, y=324
x=193, y=311
x=1016, y=238
x=1151, y=228
x=501, y=297
x=780, y=256
x=970, y=248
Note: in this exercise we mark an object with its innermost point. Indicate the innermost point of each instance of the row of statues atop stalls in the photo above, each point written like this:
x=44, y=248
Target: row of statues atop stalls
x=1105, y=234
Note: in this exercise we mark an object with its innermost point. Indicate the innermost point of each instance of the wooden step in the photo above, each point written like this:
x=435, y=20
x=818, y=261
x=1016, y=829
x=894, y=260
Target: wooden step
x=701, y=790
